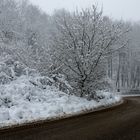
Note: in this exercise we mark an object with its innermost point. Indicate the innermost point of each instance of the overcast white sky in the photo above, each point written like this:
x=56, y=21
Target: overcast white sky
x=126, y=9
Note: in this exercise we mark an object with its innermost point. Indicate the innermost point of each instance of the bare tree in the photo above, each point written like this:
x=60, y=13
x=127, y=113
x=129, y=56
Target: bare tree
x=81, y=41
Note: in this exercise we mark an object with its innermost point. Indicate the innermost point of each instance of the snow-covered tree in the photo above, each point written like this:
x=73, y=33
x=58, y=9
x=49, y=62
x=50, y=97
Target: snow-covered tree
x=24, y=33
x=81, y=41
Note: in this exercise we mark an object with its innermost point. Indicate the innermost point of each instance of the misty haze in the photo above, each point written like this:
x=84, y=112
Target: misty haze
x=69, y=70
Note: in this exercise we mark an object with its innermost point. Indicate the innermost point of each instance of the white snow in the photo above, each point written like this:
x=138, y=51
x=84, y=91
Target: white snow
x=21, y=102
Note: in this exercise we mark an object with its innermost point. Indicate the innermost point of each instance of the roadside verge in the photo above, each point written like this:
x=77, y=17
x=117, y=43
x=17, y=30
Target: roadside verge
x=36, y=123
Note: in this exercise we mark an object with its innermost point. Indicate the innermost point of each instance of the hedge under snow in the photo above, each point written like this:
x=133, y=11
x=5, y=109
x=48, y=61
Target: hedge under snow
x=23, y=100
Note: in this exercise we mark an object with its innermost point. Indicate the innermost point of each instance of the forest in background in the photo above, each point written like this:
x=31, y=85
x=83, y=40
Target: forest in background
x=92, y=51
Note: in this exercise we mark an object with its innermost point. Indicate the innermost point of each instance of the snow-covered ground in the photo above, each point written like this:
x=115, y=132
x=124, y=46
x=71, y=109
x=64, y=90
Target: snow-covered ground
x=21, y=101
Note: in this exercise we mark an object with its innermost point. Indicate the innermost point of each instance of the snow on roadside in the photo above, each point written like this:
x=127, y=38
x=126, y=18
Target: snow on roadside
x=21, y=102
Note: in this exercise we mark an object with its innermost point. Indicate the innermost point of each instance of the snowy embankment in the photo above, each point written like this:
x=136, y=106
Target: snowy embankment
x=21, y=102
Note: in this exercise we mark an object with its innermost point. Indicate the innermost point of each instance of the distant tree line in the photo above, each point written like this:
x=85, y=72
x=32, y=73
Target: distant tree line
x=88, y=48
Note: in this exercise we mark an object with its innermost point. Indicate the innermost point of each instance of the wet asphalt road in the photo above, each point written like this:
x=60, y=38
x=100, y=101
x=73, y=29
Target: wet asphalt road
x=118, y=123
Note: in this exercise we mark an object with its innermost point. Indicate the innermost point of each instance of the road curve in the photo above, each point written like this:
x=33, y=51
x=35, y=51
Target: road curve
x=117, y=123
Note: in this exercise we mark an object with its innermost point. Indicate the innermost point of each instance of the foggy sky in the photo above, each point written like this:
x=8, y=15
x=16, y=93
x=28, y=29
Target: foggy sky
x=117, y=9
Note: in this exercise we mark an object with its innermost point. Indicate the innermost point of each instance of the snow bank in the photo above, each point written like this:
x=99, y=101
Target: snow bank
x=23, y=101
